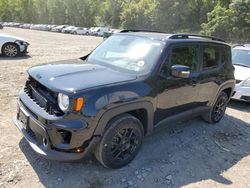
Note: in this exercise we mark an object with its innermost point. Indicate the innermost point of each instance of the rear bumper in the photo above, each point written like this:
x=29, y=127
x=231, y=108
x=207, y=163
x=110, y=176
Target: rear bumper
x=241, y=93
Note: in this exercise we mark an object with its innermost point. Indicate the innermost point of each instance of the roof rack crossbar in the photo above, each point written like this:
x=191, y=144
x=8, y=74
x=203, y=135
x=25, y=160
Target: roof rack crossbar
x=139, y=30
x=186, y=36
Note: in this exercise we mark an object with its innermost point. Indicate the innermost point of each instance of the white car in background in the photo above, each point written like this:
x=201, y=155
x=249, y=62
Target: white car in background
x=99, y=31
x=241, y=62
x=68, y=29
x=12, y=46
x=59, y=28
x=80, y=31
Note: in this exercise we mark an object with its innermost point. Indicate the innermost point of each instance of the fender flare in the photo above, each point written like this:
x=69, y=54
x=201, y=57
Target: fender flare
x=230, y=84
x=111, y=113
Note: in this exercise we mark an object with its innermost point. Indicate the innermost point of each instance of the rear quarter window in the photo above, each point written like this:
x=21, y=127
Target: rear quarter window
x=211, y=56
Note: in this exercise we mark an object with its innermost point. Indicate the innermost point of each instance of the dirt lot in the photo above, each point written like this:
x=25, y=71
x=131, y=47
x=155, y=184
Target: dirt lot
x=190, y=154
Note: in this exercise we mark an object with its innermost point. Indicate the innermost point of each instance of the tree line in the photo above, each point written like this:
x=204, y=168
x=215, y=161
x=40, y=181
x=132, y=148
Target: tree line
x=228, y=19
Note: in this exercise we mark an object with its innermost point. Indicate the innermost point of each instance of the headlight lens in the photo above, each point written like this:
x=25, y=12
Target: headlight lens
x=246, y=83
x=63, y=102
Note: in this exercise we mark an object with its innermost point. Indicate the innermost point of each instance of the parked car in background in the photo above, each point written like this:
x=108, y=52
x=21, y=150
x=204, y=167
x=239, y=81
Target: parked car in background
x=241, y=62
x=12, y=46
x=44, y=27
x=51, y=27
x=91, y=30
x=108, y=100
x=99, y=31
x=68, y=29
x=25, y=26
x=80, y=31
x=59, y=28
x=109, y=33
x=13, y=24
x=33, y=26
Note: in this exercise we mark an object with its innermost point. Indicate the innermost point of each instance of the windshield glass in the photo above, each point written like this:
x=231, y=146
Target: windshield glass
x=129, y=53
x=241, y=57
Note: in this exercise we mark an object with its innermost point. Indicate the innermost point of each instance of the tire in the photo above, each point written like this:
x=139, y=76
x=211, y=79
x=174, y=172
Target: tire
x=120, y=142
x=216, y=113
x=10, y=50
x=75, y=33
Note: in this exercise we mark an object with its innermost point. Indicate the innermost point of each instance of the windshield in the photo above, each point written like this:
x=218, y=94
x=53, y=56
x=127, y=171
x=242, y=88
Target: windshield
x=129, y=53
x=241, y=57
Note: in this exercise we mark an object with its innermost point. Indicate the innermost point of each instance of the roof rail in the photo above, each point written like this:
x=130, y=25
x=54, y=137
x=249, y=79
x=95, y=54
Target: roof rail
x=186, y=36
x=139, y=30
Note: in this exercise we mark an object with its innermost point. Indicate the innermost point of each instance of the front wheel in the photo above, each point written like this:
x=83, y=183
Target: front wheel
x=10, y=50
x=121, y=141
x=217, y=112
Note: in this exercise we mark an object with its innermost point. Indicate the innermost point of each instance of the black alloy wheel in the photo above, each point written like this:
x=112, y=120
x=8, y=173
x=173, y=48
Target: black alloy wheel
x=220, y=107
x=120, y=142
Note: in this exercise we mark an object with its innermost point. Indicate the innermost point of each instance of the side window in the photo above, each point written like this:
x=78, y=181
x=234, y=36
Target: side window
x=211, y=56
x=185, y=55
x=224, y=54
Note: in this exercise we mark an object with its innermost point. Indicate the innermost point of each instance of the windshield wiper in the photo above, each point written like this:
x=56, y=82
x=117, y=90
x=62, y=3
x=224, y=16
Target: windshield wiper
x=239, y=64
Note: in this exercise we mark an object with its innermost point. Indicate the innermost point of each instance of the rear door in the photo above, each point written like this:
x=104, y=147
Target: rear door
x=211, y=71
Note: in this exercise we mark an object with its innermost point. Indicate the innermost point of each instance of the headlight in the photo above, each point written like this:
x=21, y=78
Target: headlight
x=63, y=102
x=246, y=83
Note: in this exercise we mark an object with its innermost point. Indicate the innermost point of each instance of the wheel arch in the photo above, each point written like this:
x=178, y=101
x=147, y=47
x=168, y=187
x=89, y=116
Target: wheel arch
x=228, y=91
x=227, y=87
x=141, y=110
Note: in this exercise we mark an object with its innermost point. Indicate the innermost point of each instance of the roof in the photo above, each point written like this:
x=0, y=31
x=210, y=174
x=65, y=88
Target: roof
x=165, y=36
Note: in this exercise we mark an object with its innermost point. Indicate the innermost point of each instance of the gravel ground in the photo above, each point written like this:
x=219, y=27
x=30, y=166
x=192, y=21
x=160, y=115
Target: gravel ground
x=185, y=154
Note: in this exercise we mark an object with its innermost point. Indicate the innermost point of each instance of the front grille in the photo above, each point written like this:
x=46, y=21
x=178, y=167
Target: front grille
x=238, y=81
x=31, y=133
x=42, y=96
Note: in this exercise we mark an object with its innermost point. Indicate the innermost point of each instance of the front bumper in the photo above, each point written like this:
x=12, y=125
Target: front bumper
x=241, y=93
x=45, y=138
x=23, y=47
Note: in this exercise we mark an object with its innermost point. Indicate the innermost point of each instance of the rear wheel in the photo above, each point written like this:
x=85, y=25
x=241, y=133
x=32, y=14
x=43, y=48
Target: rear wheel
x=217, y=112
x=121, y=141
x=10, y=50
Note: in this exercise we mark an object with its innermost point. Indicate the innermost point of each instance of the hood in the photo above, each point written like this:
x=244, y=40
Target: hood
x=71, y=76
x=241, y=73
x=11, y=37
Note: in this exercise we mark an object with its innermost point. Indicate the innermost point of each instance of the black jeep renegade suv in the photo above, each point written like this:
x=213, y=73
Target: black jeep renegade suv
x=107, y=101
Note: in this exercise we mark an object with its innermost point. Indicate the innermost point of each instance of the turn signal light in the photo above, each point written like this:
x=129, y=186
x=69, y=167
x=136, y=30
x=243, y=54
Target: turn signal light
x=79, y=104
x=78, y=150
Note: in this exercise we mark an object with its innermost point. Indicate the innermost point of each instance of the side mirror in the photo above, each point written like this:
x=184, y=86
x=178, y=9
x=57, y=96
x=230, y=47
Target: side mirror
x=180, y=71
